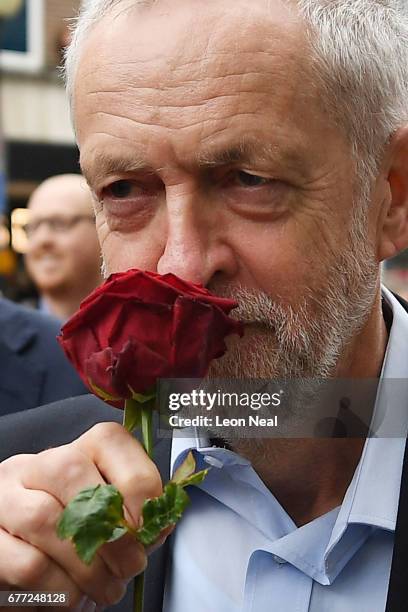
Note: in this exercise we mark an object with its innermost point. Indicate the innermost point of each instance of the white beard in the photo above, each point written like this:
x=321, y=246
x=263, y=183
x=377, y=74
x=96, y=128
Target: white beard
x=302, y=343
x=284, y=341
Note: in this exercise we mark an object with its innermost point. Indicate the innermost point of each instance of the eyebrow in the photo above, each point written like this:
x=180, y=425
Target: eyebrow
x=105, y=163
x=241, y=152
x=246, y=152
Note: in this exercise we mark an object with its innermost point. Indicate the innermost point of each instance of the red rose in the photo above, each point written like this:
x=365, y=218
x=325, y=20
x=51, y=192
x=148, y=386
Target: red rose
x=140, y=326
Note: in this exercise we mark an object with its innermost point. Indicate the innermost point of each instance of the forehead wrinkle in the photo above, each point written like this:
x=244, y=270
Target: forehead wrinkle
x=191, y=55
x=159, y=80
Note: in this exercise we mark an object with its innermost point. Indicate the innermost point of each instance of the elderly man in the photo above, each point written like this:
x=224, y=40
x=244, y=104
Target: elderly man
x=63, y=257
x=259, y=147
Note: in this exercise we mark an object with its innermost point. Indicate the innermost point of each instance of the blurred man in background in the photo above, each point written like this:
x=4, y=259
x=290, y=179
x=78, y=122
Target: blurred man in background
x=63, y=257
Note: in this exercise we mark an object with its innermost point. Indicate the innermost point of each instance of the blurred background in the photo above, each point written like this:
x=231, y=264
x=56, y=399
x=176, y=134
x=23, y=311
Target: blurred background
x=36, y=137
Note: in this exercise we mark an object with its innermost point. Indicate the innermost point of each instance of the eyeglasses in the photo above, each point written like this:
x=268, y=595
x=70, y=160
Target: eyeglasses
x=59, y=225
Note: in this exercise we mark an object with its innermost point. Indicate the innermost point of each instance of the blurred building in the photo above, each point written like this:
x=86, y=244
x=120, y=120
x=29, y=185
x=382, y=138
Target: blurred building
x=38, y=139
x=33, y=103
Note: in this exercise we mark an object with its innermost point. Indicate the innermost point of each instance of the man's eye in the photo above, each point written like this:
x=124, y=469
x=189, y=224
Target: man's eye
x=244, y=179
x=121, y=189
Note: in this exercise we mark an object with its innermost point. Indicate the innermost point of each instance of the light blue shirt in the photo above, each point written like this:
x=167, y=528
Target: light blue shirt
x=237, y=550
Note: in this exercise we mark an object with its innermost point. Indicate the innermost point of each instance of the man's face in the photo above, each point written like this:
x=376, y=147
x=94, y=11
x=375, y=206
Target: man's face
x=63, y=250
x=206, y=143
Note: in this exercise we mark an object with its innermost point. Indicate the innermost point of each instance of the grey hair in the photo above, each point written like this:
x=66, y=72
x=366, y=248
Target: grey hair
x=361, y=64
x=90, y=13
x=360, y=61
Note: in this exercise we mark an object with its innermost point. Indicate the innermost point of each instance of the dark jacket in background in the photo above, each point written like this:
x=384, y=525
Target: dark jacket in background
x=33, y=367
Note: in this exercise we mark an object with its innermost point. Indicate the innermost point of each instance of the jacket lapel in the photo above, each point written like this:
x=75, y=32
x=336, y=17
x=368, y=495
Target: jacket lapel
x=20, y=386
x=397, y=600
x=21, y=380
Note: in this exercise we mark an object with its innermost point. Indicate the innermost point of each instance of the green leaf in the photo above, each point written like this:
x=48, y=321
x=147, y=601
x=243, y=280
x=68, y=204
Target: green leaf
x=93, y=517
x=185, y=474
x=194, y=479
x=185, y=469
x=162, y=512
x=166, y=510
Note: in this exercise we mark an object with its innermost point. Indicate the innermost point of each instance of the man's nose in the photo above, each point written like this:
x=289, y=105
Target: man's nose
x=195, y=249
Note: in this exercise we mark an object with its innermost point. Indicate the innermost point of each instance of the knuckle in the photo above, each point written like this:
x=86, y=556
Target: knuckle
x=14, y=464
x=31, y=569
x=146, y=481
x=38, y=513
x=66, y=460
x=151, y=481
x=104, y=432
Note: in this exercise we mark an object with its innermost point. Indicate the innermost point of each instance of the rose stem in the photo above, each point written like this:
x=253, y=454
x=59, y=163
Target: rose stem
x=146, y=411
x=147, y=428
x=138, y=592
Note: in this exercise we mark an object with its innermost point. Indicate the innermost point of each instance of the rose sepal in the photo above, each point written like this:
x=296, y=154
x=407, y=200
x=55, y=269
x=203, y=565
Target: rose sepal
x=104, y=395
x=142, y=398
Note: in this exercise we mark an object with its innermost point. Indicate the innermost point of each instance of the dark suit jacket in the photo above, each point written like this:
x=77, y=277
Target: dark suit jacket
x=33, y=367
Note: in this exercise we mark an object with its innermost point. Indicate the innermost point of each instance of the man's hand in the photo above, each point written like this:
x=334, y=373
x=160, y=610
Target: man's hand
x=34, y=491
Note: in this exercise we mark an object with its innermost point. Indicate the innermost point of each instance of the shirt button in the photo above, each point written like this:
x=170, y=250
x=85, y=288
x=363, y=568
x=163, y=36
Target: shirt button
x=279, y=560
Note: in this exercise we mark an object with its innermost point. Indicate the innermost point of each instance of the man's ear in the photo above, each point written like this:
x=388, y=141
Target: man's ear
x=393, y=233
